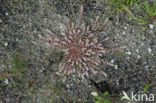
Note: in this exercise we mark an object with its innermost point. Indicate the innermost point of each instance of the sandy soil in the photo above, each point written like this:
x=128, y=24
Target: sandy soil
x=21, y=27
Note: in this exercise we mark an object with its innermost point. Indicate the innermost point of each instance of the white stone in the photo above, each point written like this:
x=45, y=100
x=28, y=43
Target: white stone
x=146, y=67
x=112, y=61
x=138, y=56
x=6, y=81
x=124, y=33
x=6, y=14
x=142, y=43
x=95, y=94
x=57, y=73
x=116, y=67
x=129, y=53
x=45, y=19
x=1, y=21
x=133, y=31
x=6, y=44
x=137, y=50
x=149, y=50
x=117, y=81
x=151, y=26
x=17, y=39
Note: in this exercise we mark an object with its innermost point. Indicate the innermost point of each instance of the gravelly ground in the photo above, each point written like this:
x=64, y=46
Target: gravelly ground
x=20, y=33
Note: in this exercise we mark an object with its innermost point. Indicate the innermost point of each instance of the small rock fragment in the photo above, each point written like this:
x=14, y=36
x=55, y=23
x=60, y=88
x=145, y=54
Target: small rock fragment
x=149, y=50
x=6, y=14
x=6, y=81
x=138, y=56
x=124, y=33
x=1, y=21
x=112, y=61
x=151, y=26
x=95, y=94
x=129, y=53
x=116, y=67
x=6, y=44
x=137, y=50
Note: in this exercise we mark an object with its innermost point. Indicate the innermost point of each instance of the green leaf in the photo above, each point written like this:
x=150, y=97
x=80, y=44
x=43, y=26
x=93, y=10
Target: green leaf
x=106, y=93
x=98, y=102
x=13, y=70
x=106, y=101
x=99, y=98
x=147, y=86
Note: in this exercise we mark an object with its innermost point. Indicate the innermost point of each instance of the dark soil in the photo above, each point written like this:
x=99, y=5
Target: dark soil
x=23, y=23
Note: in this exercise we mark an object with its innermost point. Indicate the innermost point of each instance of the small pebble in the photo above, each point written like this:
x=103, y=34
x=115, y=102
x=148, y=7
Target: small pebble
x=143, y=37
x=133, y=31
x=118, y=30
x=151, y=26
x=138, y=56
x=117, y=81
x=116, y=67
x=1, y=21
x=6, y=44
x=90, y=86
x=149, y=50
x=129, y=53
x=137, y=50
x=41, y=70
x=124, y=33
x=17, y=40
x=61, y=26
x=6, y=81
x=45, y=19
x=57, y=73
x=94, y=94
x=67, y=86
x=6, y=14
x=112, y=61
x=146, y=67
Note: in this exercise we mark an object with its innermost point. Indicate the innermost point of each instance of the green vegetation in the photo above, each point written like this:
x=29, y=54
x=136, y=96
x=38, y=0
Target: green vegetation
x=148, y=15
x=147, y=86
x=15, y=67
x=117, y=5
x=140, y=12
x=103, y=99
x=121, y=53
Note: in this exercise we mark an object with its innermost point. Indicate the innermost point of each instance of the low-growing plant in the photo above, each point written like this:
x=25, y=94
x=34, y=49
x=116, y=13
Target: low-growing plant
x=103, y=99
x=147, y=86
x=17, y=66
x=119, y=7
x=149, y=14
x=121, y=53
x=81, y=46
x=130, y=3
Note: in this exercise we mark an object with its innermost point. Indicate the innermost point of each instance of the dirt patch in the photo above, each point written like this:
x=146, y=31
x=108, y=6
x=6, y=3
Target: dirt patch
x=25, y=22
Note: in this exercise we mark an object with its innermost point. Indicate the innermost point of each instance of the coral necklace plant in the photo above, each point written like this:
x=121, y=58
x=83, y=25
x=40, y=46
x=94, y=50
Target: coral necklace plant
x=81, y=46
